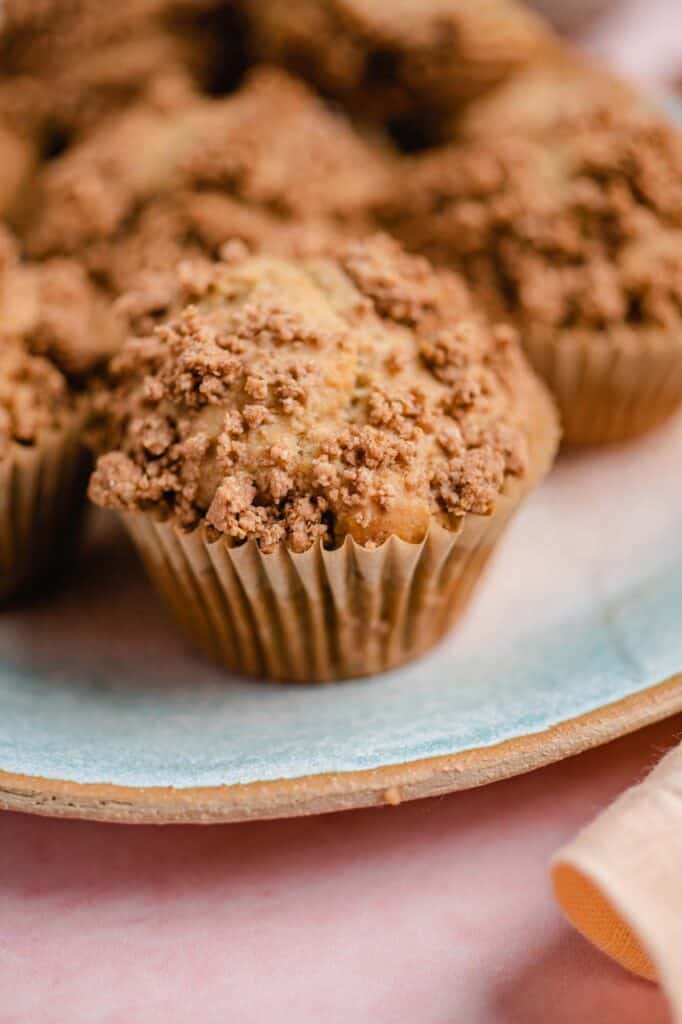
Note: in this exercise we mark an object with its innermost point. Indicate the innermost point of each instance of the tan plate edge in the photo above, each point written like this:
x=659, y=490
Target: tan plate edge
x=316, y=794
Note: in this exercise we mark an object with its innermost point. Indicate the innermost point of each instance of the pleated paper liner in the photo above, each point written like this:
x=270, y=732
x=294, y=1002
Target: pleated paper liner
x=42, y=495
x=610, y=387
x=329, y=614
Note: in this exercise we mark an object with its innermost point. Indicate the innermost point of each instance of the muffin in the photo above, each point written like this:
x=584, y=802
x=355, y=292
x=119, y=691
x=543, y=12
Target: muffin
x=413, y=59
x=579, y=244
x=54, y=331
x=69, y=64
x=316, y=458
x=18, y=158
x=270, y=165
x=541, y=96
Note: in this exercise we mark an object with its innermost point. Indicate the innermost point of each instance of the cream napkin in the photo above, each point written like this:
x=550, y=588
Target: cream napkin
x=620, y=880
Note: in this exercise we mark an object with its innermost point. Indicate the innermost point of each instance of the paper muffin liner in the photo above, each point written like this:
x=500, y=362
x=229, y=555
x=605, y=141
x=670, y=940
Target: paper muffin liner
x=610, y=389
x=42, y=496
x=327, y=614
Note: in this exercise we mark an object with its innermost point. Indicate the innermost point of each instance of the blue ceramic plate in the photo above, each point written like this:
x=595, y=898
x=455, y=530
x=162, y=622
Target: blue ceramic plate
x=105, y=713
x=575, y=637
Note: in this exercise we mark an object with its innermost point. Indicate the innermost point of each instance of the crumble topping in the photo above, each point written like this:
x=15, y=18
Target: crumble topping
x=287, y=402
x=269, y=165
x=583, y=234
x=398, y=59
x=34, y=397
x=537, y=98
x=67, y=65
x=51, y=309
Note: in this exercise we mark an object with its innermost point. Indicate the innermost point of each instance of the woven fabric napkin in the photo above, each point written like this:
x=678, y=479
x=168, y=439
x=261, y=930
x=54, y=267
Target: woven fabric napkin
x=620, y=880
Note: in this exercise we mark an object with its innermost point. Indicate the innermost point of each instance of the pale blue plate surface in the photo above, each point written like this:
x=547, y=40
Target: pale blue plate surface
x=582, y=607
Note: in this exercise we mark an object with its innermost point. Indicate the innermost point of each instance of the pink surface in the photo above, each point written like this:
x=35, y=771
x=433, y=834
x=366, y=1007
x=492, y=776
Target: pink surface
x=642, y=38
x=437, y=912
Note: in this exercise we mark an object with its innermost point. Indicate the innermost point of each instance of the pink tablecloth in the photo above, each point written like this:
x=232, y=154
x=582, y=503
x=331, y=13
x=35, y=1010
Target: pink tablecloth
x=437, y=912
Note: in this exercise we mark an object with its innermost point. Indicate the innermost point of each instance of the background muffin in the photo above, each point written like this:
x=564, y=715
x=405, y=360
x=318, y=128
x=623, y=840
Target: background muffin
x=269, y=165
x=66, y=65
x=542, y=95
x=320, y=453
x=412, y=61
x=18, y=157
x=575, y=236
x=54, y=331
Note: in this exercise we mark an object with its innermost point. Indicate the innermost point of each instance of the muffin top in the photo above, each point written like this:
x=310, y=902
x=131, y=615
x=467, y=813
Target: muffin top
x=543, y=95
x=404, y=58
x=51, y=309
x=585, y=234
x=34, y=394
x=149, y=187
x=295, y=401
x=34, y=397
x=66, y=64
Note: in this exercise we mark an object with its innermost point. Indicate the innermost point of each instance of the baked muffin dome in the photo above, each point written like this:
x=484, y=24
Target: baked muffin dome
x=320, y=412
x=412, y=59
x=54, y=332
x=270, y=165
x=579, y=244
x=542, y=95
x=52, y=309
x=65, y=65
x=287, y=403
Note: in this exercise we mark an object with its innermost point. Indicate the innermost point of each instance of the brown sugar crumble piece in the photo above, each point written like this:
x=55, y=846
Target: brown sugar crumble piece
x=264, y=408
x=380, y=273
x=585, y=234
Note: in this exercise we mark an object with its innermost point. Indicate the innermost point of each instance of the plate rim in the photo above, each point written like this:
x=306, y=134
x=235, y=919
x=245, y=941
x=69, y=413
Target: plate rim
x=341, y=791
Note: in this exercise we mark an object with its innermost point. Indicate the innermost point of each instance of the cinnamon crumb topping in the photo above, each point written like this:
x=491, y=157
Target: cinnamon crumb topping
x=51, y=309
x=545, y=94
x=265, y=407
x=391, y=60
x=583, y=234
x=34, y=397
x=67, y=65
x=269, y=165
x=380, y=273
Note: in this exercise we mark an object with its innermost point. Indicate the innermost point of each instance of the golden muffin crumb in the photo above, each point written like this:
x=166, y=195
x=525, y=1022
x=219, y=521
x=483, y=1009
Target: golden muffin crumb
x=285, y=402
